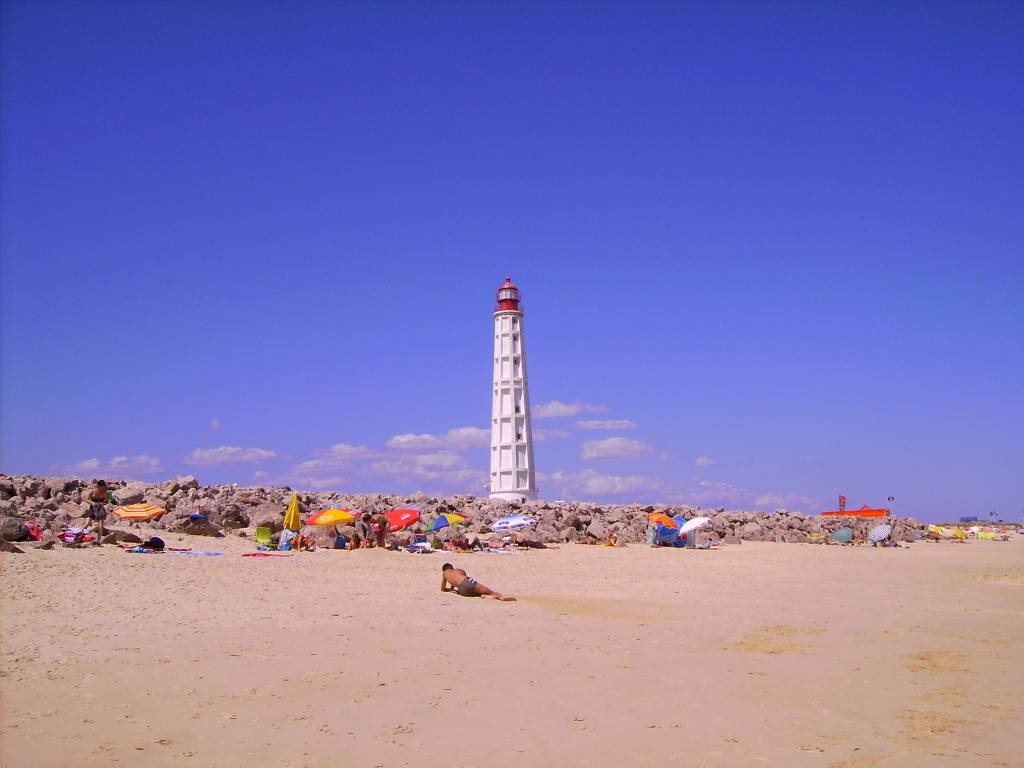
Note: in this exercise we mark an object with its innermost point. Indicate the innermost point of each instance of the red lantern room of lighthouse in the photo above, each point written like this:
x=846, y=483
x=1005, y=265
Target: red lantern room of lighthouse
x=508, y=297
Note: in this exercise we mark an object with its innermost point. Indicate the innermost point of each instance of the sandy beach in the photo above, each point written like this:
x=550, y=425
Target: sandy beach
x=753, y=654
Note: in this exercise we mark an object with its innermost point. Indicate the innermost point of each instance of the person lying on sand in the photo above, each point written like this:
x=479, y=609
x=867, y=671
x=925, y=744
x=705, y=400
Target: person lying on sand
x=455, y=580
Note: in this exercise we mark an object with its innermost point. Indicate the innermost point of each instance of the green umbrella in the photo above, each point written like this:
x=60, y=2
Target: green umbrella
x=842, y=535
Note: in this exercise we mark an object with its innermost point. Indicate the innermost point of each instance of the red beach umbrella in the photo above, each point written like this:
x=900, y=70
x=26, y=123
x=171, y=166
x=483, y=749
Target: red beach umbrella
x=401, y=518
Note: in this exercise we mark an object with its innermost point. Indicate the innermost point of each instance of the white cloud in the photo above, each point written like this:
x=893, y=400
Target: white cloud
x=704, y=461
x=119, y=466
x=591, y=483
x=615, y=448
x=346, y=451
x=410, y=442
x=259, y=474
x=556, y=409
x=460, y=438
x=444, y=471
x=468, y=437
x=214, y=424
x=540, y=435
x=316, y=483
x=227, y=454
x=606, y=424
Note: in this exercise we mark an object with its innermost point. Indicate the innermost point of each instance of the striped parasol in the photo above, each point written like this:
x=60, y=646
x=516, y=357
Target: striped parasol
x=139, y=512
x=879, y=533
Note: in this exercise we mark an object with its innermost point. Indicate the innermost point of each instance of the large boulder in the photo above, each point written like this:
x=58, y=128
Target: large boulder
x=267, y=515
x=6, y=546
x=196, y=528
x=598, y=529
x=12, y=529
x=117, y=537
x=186, y=482
x=133, y=493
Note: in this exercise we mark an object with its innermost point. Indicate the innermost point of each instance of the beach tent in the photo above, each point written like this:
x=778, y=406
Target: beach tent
x=511, y=522
x=139, y=512
x=331, y=517
x=292, y=518
x=401, y=518
x=842, y=535
x=668, y=535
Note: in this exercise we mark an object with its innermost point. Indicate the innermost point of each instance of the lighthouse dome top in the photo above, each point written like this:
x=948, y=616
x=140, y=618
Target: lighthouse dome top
x=508, y=296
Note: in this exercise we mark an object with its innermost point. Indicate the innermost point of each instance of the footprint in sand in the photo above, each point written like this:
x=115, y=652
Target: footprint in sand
x=773, y=640
x=937, y=661
x=1012, y=577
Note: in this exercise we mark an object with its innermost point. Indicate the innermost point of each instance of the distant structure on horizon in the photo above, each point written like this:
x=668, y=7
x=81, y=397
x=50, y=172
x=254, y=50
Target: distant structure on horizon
x=512, y=474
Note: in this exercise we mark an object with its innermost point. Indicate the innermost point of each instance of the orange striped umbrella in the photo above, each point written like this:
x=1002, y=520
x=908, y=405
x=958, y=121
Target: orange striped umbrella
x=658, y=517
x=139, y=512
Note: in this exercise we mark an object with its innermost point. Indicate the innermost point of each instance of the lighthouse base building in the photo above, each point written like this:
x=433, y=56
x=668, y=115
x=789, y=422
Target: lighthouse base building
x=512, y=473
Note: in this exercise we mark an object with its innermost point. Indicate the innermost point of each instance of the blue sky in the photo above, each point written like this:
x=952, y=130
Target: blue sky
x=770, y=253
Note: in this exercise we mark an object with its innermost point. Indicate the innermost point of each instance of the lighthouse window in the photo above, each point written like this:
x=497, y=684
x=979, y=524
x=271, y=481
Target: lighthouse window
x=519, y=435
x=515, y=322
x=518, y=409
x=515, y=337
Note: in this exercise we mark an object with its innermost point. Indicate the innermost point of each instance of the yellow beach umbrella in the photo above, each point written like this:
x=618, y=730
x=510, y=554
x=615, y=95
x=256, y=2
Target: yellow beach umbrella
x=139, y=512
x=331, y=517
x=292, y=518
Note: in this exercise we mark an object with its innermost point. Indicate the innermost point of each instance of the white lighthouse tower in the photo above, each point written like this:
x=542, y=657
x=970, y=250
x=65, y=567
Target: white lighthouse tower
x=512, y=477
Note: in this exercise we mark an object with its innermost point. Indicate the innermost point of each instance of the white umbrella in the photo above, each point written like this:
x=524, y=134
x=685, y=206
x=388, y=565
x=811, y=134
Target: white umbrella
x=693, y=524
x=512, y=522
x=879, y=533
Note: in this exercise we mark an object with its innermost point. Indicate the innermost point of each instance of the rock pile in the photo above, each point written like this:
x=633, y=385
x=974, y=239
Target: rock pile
x=54, y=503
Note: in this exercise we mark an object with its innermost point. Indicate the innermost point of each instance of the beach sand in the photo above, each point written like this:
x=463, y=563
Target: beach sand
x=778, y=654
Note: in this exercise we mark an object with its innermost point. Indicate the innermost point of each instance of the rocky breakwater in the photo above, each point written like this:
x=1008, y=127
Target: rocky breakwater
x=213, y=510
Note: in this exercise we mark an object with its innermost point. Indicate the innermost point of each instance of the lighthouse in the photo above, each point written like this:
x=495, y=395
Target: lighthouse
x=512, y=477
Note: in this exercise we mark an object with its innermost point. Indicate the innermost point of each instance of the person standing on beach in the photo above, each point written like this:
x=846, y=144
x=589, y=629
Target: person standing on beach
x=455, y=580
x=361, y=538
x=97, y=511
x=379, y=529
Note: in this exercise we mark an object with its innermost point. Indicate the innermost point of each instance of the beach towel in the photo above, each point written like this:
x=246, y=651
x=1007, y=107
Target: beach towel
x=75, y=536
x=197, y=554
x=265, y=554
x=143, y=551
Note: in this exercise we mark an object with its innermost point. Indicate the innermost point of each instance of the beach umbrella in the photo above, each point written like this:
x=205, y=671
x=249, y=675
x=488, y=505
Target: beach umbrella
x=662, y=519
x=511, y=522
x=292, y=518
x=444, y=520
x=693, y=524
x=879, y=533
x=401, y=518
x=331, y=517
x=842, y=535
x=139, y=512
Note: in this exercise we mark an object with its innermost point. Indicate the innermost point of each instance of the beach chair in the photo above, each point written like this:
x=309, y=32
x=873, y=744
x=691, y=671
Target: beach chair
x=263, y=536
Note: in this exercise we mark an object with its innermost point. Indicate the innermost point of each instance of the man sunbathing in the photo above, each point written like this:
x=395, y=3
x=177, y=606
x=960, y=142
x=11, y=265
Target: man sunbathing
x=455, y=580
